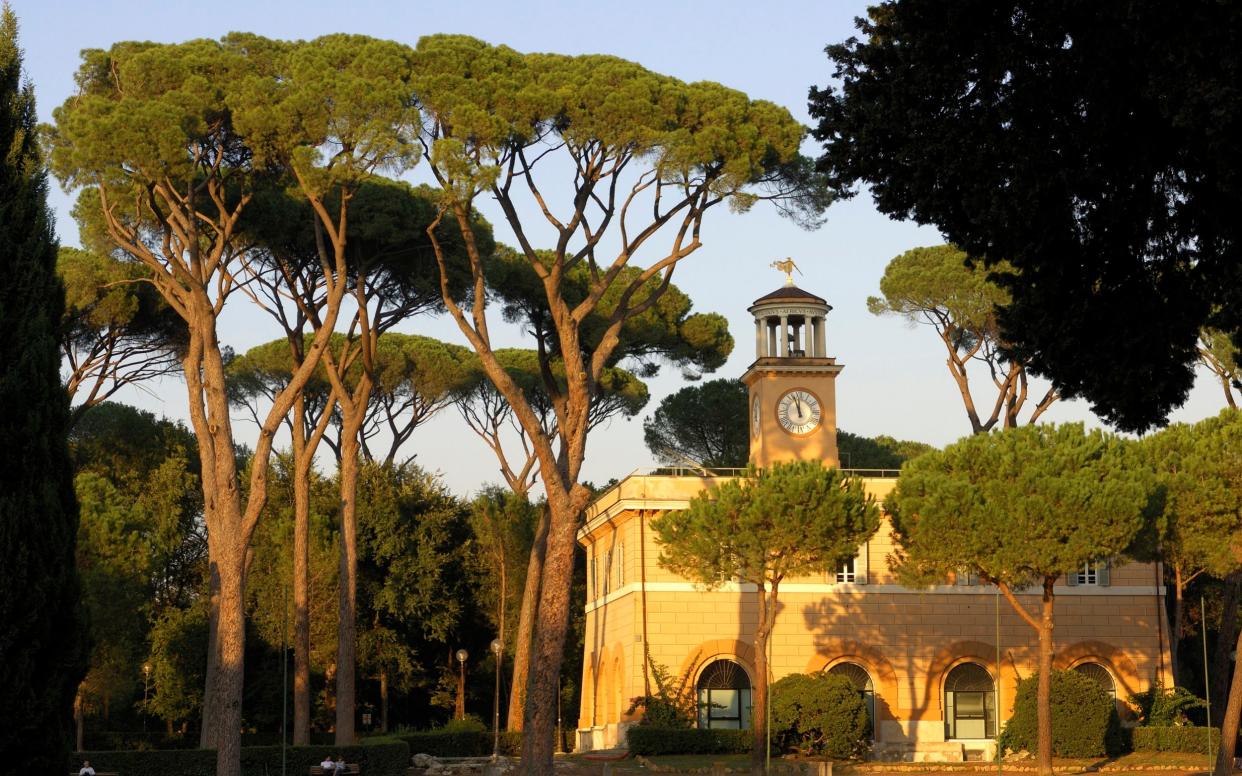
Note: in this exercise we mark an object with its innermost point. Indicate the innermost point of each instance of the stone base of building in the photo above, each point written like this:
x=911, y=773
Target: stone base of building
x=610, y=736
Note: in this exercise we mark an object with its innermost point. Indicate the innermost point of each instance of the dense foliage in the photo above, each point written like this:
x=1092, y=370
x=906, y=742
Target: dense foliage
x=821, y=715
x=43, y=642
x=1088, y=145
x=649, y=741
x=1084, y=718
x=1181, y=738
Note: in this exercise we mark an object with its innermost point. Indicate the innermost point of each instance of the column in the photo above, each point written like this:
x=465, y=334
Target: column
x=759, y=338
x=783, y=336
x=771, y=327
x=820, y=350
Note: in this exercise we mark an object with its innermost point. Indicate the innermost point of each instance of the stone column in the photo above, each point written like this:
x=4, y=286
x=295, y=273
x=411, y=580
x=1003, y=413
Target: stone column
x=784, y=336
x=759, y=338
x=769, y=324
x=820, y=349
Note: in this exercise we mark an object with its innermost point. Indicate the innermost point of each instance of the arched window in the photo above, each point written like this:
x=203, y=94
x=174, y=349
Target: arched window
x=1101, y=675
x=969, y=702
x=724, y=696
x=861, y=680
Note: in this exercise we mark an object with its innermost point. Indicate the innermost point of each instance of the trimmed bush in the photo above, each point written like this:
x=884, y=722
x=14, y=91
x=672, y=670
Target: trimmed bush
x=1084, y=718
x=648, y=740
x=820, y=714
x=155, y=762
x=1175, y=739
x=377, y=757
x=461, y=743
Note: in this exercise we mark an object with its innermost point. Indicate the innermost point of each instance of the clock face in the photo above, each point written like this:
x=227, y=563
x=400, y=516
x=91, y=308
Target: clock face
x=798, y=411
x=755, y=417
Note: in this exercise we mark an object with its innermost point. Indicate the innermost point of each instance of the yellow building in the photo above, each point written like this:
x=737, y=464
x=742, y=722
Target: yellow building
x=926, y=660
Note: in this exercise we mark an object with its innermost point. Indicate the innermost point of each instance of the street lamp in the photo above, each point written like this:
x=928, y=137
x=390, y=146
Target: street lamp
x=460, y=713
x=146, y=683
x=497, y=647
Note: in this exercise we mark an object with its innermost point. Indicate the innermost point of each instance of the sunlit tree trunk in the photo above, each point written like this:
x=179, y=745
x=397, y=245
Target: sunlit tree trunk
x=526, y=621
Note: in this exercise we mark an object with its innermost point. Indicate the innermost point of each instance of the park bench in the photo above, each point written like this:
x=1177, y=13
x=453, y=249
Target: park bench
x=97, y=773
x=350, y=768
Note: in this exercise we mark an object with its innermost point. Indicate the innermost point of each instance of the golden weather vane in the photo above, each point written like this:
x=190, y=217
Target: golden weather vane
x=787, y=266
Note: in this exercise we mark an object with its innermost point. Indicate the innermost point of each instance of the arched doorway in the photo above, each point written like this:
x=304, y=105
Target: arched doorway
x=724, y=696
x=969, y=703
x=1101, y=675
x=861, y=680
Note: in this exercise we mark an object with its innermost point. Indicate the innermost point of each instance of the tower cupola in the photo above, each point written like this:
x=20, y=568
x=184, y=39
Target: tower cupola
x=792, y=382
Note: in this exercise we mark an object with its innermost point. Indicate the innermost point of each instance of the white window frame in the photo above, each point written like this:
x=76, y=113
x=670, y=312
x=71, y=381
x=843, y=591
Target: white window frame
x=847, y=572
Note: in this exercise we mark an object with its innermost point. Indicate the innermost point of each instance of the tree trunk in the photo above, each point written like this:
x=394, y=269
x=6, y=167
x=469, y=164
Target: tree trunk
x=759, y=706
x=1175, y=629
x=79, y=722
x=1222, y=658
x=1043, y=698
x=383, y=677
x=1229, y=729
x=301, y=576
x=223, y=700
x=526, y=622
x=346, y=630
x=551, y=625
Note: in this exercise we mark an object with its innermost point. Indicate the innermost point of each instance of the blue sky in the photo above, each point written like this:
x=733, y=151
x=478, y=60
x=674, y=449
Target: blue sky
x=895, y=381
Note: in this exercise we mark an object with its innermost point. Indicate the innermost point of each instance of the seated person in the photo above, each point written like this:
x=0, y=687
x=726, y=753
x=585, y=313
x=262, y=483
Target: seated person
x=327, y=765
x=87, y=770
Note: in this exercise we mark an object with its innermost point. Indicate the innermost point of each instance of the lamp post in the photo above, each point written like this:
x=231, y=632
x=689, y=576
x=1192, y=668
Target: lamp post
x=497, y=647
x=146, y=684
x=460, y=712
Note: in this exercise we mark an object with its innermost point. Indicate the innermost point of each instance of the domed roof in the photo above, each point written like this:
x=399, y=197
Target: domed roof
x=791, y=293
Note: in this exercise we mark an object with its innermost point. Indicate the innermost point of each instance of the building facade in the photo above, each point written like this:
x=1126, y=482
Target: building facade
x=938, y=667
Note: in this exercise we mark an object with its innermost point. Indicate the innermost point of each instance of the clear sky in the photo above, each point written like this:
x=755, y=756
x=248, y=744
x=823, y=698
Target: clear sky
x=895, y=381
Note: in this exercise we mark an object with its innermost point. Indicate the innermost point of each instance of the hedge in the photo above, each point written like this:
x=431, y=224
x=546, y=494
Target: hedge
x=647, y=740
x=1175, y=739
x=378, y=757
x=469, y=743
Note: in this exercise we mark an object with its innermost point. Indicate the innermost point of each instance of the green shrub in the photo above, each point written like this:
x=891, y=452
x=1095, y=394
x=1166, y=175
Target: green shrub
x=1161, y=707
x=820, y=714
x=156, y=762
x=648, y=740
x=1084, y=718
x=673, y=704
x=1175, y=739
x=469, y=743
x=377, y=757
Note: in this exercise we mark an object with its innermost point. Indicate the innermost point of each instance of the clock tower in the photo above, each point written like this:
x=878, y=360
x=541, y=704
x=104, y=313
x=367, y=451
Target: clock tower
x=793, y=399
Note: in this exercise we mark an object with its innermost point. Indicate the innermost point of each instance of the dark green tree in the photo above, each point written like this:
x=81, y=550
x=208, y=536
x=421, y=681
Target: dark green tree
x=1019, y=508
x=117, y=329
x=1090, y=145
x=44, y=642
x=701, y=425
x=792, y=519
x=1199, y=468
x=414, y=548
x=940, y=287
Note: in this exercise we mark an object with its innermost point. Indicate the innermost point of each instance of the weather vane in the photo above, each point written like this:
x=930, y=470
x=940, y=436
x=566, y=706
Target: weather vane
x=787, y=266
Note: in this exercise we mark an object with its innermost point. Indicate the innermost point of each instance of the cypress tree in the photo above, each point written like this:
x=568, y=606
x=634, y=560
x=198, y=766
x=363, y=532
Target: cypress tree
x=42, y=638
